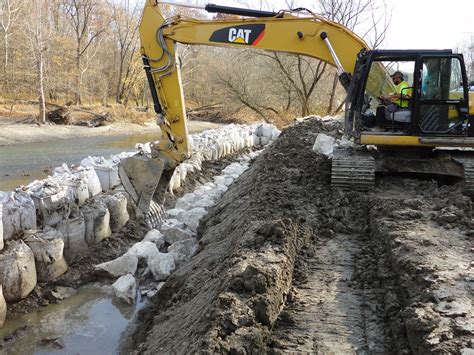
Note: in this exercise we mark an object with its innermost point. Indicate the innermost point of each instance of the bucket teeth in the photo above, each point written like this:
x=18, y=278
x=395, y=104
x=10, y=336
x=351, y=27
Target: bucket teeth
x=353, y=170
x=156, y=215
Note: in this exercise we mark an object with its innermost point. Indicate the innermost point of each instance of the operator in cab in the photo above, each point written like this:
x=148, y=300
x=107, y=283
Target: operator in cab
x=402, y=91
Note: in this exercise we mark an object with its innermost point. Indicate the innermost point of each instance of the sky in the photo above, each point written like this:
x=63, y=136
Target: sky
x=416, y=24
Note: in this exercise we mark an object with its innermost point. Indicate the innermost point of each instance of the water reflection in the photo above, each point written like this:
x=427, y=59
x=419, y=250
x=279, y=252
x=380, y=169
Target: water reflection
x=89, y=322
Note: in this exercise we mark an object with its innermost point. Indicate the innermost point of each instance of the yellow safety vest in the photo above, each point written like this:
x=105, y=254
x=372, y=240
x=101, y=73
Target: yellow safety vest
x=398, y=90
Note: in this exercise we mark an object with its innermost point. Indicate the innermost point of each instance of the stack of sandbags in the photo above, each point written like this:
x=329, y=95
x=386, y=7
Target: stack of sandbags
x=82, y=182
x=265, y=133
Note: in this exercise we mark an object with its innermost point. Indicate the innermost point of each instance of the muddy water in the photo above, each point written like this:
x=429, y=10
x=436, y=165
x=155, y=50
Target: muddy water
x=89, y=322
x=23, y=163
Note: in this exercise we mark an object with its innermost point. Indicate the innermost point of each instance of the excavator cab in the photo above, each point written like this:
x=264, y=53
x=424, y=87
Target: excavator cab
x=421, y=132
x=435, y=103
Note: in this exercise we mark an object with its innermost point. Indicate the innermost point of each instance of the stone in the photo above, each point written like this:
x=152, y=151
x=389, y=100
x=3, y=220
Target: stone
x=143, y=250
x=161, y=265
x=155, y=237
x=121, y=266
x=183, y=250
x=60, y=293
x=176, y=234
x=125, y=288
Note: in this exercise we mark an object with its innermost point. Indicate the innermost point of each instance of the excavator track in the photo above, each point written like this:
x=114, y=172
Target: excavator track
x=353, y=169
x=468, y=165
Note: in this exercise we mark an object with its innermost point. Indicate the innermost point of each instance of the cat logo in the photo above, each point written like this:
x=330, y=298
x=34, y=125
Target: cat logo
x=239, y=35
x=243, y=34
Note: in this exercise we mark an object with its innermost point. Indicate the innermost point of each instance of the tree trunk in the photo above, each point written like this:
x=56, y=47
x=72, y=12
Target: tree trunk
x=78, y=98
x=41, y=96
x=333, y=94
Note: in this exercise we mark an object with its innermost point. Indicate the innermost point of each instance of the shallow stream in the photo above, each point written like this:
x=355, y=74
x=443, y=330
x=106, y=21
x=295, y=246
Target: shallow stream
x=91, y=321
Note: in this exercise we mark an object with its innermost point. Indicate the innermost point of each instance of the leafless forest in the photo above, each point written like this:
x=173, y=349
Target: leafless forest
x=86, y=52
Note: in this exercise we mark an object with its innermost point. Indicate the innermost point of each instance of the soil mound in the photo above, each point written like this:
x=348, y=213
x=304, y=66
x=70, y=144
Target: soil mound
x=285, y=263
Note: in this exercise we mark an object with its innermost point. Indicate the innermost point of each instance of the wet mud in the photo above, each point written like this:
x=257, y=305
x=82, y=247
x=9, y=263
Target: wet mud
x=287, y=264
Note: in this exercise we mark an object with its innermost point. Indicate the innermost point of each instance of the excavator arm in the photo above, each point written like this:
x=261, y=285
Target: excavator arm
x=146, y=179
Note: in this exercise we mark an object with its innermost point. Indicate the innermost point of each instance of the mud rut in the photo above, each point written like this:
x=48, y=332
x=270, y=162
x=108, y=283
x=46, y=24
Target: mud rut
x=285, y=264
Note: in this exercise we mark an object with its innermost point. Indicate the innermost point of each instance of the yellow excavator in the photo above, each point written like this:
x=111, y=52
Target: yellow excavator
x=431, y=133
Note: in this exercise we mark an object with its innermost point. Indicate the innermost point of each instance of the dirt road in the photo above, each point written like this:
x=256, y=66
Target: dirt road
x=287, y=264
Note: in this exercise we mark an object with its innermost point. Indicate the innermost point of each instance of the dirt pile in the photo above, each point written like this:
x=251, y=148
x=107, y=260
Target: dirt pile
x=285, y=263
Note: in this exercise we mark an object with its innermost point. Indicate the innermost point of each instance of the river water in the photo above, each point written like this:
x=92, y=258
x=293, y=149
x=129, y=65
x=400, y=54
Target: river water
x=22, y=163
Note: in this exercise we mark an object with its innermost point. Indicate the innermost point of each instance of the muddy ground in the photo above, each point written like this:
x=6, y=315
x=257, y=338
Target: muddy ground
x=81, y=271
x=285, y=264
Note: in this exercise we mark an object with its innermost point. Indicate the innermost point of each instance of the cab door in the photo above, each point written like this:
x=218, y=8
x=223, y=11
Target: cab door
x=442, y=96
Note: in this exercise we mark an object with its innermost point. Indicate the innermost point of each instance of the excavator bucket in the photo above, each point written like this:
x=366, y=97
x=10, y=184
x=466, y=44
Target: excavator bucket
x=146, y=180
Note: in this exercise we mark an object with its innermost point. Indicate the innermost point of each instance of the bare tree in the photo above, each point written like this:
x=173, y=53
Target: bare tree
x=125, y=20
x=10, y=11
x=368, y=17
x=38, y=33
x=88, y=22
x=302, y=75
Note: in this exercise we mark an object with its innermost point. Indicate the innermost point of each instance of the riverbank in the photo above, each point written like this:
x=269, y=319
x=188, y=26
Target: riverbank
x=18, y=133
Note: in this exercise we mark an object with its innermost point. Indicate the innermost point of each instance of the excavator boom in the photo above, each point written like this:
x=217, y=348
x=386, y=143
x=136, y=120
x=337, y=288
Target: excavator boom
x=361, y=71
x=146, y=177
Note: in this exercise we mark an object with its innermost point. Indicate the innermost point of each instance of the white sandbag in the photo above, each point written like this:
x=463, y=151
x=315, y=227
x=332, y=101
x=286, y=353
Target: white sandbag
x=155, y=237
x=1, y=226
x=18, y=214
x=117, y=205
x=125, y=288
x=97, y=221
x=47, y=247
x=17, y=271
x=51, y=201
x=73, y=234
x=11, y=222
x=123, y=265
x=76, y=188
x=183, y=250
x=3, y=308
x=161, y=265
x=106, y=170
x=324, y=145
x=265, y=130
x=93, y=182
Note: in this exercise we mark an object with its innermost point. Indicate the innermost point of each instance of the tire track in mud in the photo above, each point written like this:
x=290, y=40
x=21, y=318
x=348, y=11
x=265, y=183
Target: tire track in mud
x=336, y=306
